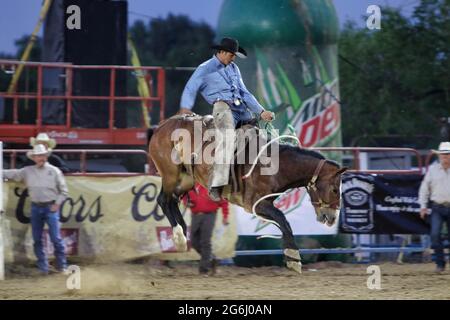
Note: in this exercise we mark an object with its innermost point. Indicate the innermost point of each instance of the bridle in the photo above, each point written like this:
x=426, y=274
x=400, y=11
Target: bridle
x=312, y=189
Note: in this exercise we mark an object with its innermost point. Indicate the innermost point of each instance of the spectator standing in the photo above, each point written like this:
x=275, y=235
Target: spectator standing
x=47, y=189
x=204, y=211
x=435, y=191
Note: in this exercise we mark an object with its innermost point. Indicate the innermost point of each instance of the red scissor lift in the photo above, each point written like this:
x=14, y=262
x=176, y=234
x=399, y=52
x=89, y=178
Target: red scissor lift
x=17, y=134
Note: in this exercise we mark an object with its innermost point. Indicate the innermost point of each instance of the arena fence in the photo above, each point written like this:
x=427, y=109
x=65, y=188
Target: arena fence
x=83, y=160
x=83, y=156
x=358, y=249
x=335, y=251
x=30, y=97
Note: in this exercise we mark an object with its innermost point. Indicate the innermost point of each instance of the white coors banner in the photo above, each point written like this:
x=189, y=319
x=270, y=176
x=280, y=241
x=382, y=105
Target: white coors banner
x=299, y=212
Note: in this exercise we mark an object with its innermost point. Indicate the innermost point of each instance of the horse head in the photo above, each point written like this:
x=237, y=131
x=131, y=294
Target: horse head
x=324, y=189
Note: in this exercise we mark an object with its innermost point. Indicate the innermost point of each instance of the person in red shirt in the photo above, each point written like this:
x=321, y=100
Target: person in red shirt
x=204, y=211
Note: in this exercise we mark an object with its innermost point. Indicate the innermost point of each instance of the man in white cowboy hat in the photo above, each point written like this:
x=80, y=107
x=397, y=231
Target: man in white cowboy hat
x=50, y=144
x=435, y=188
x=47, y=189
x=220, y=83
x=43, y=138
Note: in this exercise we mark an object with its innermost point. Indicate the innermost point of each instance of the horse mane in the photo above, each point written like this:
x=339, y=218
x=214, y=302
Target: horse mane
x=307, y=152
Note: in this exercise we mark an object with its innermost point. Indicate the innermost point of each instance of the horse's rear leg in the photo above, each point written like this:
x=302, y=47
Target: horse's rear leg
x=267, y=211
x=169, y=205
x=185, y=184
x=160, y=150
x=175, y=209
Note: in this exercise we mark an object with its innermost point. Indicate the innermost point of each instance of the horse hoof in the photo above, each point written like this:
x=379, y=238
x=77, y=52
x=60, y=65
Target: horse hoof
x=292, y=253
x=294, y=265
x=179, y=239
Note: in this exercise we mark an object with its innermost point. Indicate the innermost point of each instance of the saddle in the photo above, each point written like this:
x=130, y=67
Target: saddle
x=243, y=139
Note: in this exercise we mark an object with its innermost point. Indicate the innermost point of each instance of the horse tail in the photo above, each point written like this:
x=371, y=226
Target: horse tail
x=150, y=132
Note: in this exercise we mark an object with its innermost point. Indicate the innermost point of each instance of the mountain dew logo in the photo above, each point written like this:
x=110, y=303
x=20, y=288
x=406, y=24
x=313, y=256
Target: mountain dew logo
x=316, y=117
x=287, y=203
x=276, y=91
x=318, y=121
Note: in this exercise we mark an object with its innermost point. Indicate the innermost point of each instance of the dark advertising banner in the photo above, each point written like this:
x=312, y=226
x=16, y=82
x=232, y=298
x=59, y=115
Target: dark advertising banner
x=381, y=204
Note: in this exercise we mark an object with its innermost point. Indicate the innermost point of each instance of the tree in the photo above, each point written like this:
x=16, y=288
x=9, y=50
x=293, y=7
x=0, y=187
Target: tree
x=174, y=41
x=395, y=81
x=27, y=81
x=36, y=51
x=35, y=55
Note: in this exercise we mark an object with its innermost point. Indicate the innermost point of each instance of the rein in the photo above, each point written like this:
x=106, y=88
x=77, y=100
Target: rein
x=312, y=188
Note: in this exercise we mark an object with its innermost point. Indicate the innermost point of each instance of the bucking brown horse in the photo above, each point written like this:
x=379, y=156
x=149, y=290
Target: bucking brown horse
x=298, y=167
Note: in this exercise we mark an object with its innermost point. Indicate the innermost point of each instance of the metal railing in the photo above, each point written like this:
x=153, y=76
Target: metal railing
x=358, y=249
x=356, y=151
x=334, y=251
x=67, y=72
x=83, y=160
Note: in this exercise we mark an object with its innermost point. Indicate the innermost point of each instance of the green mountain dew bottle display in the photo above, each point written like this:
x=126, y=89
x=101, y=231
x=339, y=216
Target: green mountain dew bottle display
x=292, y=64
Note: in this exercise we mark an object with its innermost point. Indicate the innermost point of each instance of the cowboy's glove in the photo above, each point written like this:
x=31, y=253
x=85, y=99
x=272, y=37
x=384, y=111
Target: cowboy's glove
x=267, y=116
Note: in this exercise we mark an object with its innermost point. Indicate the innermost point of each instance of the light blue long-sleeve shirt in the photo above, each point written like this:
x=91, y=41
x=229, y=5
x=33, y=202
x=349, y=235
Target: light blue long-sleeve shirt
x=215, y=81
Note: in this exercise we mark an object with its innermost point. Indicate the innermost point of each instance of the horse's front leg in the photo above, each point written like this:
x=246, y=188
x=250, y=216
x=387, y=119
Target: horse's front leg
x=267, y=211
x=170, y=208
x=175, y=209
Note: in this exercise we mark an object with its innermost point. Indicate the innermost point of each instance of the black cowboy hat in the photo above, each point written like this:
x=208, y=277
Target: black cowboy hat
x=231, y=45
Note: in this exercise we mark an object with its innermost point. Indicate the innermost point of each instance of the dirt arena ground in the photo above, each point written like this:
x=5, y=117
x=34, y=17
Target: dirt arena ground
x=331, y=280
